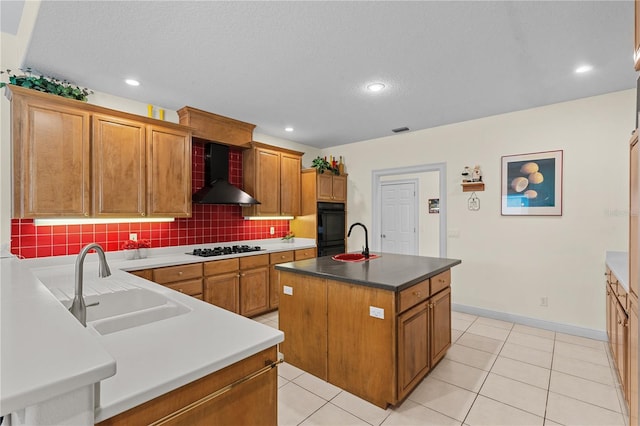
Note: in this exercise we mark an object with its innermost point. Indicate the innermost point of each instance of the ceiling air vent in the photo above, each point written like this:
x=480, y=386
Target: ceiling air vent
x=400, y=129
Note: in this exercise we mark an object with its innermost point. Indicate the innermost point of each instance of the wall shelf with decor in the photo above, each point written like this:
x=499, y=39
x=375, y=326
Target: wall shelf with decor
x=472, y=186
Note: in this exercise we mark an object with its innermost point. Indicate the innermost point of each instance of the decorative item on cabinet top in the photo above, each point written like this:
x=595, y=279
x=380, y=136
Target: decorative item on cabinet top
x=332, y=165
x=47, y=84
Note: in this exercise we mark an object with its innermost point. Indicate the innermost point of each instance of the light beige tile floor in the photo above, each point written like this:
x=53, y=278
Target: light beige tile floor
x=495, y=373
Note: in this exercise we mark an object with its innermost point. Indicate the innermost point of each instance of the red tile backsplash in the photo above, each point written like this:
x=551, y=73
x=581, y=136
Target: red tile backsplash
x=207, y=224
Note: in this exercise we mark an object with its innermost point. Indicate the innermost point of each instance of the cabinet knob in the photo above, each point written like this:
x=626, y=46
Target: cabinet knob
x=282, y=257
x=86, y=214
x=242, y=275
x=417, y=294
x=179, y=272
x=142, y=214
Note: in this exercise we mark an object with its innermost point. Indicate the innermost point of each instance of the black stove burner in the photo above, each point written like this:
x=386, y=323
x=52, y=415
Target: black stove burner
x=219, y=251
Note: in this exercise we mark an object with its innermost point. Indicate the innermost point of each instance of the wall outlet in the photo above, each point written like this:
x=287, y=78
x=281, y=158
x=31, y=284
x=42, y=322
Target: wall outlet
x=287, y=290
x=544, y=301
x=133, y=237
x=272, y=230
x=376, y=312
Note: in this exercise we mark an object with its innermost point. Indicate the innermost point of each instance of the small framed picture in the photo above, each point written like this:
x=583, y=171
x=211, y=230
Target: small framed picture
x=532, y=184
x=434, y=205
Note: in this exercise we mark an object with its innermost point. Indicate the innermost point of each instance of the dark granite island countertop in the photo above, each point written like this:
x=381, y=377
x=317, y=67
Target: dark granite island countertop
x=393, y=272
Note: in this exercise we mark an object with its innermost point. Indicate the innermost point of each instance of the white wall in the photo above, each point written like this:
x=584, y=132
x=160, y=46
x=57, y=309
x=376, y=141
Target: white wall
x=509, y=263
x=12, y=50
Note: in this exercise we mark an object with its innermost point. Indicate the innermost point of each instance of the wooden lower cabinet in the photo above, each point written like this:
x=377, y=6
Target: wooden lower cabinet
x=183, y=278
x=331, y=333
x=254, y=285
x=413, y=347
x=205, y=401
x=221, y=284
x=440, y=311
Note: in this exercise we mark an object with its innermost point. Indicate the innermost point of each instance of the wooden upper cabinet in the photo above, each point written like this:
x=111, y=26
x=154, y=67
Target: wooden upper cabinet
x=636, y=51
x=267, y=184
x=216, y=128
x=51, y=157
x=73, y=159
x=290, y=166
x=169, y=172
x=118, y=162
x=332, y=187
x=272, y=176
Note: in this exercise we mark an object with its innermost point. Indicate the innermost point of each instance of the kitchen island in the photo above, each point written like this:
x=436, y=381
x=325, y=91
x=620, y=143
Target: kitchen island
x=374, y=328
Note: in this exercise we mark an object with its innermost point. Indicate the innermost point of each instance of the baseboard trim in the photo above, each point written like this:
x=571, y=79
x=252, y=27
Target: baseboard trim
x=532, y=322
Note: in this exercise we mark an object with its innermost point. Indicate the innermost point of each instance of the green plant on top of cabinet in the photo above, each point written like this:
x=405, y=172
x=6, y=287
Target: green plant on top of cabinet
x=272, y=176
x=73, y=159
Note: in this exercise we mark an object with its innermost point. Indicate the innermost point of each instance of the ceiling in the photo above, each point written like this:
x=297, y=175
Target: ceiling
x=306, y=64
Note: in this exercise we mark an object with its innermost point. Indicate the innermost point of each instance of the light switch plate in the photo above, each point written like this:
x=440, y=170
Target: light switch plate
x=133, y=237
x=287, y=290
x=376, y=312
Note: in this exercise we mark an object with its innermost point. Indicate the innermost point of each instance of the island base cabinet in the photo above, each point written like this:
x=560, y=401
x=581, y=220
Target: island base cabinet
x=440, y=331
x=244, y=393
x=361, y=347
x=303, y=304
x=413, y=348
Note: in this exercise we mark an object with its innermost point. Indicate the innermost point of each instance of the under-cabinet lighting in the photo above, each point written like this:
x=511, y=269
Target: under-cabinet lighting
x=132, y=82
x=94, y=221
x=268, y=217
x=288, y=129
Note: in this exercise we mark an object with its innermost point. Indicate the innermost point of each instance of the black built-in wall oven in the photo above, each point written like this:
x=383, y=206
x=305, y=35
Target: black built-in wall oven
x=331, y=229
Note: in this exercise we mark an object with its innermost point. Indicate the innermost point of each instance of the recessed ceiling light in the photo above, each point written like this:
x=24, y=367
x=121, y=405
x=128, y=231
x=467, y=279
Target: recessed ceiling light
x=375, y=87
x=583, y=68
x=132, y=82
x=288, y=129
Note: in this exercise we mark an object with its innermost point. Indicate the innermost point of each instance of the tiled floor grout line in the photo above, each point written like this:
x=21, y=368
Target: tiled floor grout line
x=546, y=402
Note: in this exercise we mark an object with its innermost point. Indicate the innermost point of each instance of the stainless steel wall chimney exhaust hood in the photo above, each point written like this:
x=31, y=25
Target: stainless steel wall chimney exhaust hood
x=217, y=189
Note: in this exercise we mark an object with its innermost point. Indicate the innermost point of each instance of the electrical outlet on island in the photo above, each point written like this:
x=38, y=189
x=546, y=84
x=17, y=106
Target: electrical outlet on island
x=133, y=237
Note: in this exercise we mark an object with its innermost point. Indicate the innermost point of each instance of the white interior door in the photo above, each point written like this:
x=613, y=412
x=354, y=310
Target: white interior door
x=399, y=218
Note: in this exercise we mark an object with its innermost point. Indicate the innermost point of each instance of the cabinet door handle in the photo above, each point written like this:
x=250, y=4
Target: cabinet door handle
x=242, y=275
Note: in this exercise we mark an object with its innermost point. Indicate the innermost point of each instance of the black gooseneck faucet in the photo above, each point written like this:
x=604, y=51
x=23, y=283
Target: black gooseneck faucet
x=365, y=252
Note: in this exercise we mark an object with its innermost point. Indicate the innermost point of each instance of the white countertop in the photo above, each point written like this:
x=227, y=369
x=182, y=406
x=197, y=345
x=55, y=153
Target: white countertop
x=618, y=262
x=45, y=351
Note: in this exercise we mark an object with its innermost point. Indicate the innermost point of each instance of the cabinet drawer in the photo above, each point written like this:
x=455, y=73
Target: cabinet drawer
x=440, y=281
x=412, y=295
x=249, y=262
x=308, y=253
x=191, y=287
x=177, y=273
x=221, y=267
x=281, y=257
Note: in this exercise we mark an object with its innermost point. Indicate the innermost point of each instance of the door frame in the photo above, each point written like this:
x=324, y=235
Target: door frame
x=416, y=211
x=376, y=176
